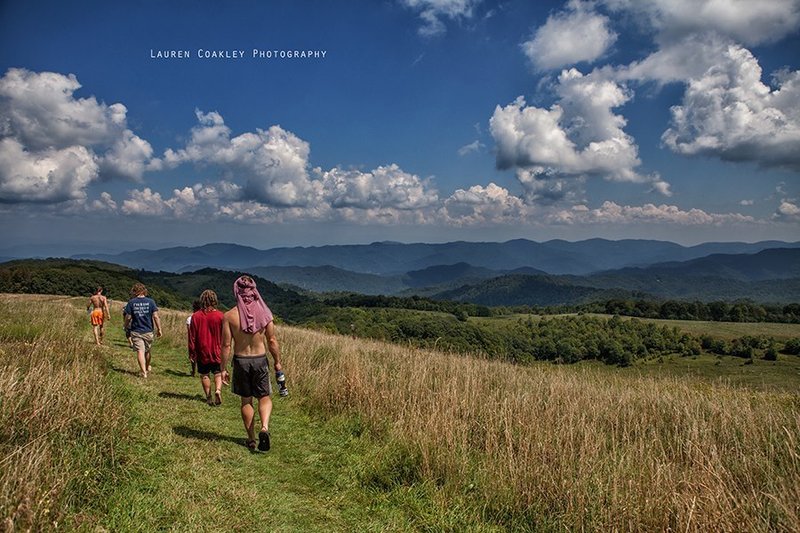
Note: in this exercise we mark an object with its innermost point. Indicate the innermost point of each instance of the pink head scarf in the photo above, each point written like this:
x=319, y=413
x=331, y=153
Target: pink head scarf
x=254, y=314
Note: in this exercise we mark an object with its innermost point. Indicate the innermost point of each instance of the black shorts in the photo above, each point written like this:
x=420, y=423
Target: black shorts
x=251, y=376
x=208, y=368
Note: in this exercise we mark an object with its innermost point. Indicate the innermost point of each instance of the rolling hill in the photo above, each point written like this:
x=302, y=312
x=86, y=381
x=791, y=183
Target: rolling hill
x=769, y=276
x=80, y=277
x=330, y=279
x=521, y=289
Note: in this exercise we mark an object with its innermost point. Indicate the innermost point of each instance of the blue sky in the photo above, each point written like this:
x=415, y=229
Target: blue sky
x=425, y=120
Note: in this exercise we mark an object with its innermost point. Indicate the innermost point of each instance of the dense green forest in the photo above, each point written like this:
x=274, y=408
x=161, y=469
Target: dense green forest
x=430, y=323
x=740, y=311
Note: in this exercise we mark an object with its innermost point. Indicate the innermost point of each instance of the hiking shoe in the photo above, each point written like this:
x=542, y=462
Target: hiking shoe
x=263, y=441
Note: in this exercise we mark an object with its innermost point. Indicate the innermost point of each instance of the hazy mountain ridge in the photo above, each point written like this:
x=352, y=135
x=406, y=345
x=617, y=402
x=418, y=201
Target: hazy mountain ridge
x=389, y=258
x=327, y=279
x=768, y=276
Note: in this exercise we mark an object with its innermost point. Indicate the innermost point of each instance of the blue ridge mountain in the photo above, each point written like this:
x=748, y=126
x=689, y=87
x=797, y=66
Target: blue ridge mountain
x=390, y=258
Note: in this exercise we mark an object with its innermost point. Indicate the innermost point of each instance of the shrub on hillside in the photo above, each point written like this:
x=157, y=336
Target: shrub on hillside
x=792, y=346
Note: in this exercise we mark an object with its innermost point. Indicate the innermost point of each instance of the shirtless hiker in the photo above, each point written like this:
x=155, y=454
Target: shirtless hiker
x=98, y=313
x=249, y=325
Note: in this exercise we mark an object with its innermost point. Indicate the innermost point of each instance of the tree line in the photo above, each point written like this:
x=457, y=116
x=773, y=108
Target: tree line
x=739, y=311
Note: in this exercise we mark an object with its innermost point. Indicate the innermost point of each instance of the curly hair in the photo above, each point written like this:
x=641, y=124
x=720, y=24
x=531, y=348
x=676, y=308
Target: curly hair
x=208, y=299
x=137, y=289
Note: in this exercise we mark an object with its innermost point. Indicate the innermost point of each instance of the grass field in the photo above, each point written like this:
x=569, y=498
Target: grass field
x=377, y=437
x=722, y=330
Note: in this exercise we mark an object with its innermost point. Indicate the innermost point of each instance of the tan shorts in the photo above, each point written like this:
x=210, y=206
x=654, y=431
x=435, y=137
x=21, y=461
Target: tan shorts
x=142, y=341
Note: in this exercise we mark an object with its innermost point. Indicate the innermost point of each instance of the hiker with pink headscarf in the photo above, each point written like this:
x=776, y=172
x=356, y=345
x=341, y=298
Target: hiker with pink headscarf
x=251, y=330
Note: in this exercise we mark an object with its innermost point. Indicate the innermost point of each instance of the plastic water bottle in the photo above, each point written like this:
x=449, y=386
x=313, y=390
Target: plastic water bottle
x=281, y=379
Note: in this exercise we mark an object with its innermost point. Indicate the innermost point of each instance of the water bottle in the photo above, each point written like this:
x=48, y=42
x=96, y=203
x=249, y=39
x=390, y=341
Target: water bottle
x=281, y=379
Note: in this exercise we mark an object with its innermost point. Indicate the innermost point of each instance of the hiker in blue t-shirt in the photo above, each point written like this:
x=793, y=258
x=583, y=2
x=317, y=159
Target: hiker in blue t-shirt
x=141, y=315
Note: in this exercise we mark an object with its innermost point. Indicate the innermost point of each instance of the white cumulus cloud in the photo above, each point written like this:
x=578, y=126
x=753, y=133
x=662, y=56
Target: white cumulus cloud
x=731, y=114
x=750, y=22
x=48, y=175
x=50, y=136
x=569, y=37
x=386, y=186
x=105, y=203
x=40, y=110
x=788, y=211
x=273, y=163
x=580, y=135
x=480, y=205
x=612, y=213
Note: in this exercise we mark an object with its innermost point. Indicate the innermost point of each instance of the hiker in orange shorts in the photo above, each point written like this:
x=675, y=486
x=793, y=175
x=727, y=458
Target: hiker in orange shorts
x=98, y=313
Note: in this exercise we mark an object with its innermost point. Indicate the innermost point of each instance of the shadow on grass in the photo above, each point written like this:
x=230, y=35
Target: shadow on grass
x=179, y=374
x=124, y=371
x=180, y=396
x=198, y=434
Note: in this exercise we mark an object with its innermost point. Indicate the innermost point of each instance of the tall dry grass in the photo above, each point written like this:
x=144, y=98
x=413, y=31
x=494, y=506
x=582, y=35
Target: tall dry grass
x=563, y=447
x=58, y=418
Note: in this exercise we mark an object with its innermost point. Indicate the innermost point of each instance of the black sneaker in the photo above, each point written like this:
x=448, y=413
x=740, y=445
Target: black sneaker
x=263, y=441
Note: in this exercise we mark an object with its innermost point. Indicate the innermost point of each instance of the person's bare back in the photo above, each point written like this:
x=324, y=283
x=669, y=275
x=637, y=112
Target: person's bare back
x=244, y=344
x=98, y=301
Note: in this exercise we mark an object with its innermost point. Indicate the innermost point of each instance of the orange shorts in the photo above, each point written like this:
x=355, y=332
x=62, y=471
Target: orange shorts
x=97, y=317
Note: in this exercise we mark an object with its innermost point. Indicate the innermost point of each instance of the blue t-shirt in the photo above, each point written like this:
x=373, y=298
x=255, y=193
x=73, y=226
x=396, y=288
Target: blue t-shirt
x=141, y=312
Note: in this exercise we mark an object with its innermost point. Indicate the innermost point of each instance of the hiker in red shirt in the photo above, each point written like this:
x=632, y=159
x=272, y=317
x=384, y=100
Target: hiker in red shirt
x=205, y=344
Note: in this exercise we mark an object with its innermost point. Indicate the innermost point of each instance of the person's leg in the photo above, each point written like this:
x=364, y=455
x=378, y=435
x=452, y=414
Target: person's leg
x=206, y=382
x=264, y=411
x=102, y=333
x=248, y=416
x=147, y=360
x=140, y=355
x=218, y=385
x=96, y=331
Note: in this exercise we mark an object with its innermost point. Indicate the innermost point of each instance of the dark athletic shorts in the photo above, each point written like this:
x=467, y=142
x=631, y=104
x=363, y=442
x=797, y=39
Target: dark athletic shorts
x=251, y=376
x=208, y=368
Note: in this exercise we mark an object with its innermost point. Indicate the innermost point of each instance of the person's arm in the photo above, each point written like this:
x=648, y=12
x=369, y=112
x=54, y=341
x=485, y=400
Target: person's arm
x=226, y=348
x=192, y=342
x=126, y=318
x=157, y=322
x=272, y=344
x=106, y=310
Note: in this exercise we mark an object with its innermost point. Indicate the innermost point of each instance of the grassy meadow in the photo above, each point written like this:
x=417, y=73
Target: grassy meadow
x=380, y=437
x=722, y=330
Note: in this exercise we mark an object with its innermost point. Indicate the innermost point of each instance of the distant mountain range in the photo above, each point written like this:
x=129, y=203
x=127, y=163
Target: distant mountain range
x=510, y=273
x=768, y=276
x=390, y=258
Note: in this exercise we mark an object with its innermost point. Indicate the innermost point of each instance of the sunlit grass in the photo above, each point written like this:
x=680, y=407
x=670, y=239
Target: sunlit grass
x=58, y=417
x=581, y=448
x=381, y=437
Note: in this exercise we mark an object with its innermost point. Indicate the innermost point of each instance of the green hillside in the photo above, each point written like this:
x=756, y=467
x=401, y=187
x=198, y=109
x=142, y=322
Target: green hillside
x=177, y=291
x=414, y=321
x=80, y=278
